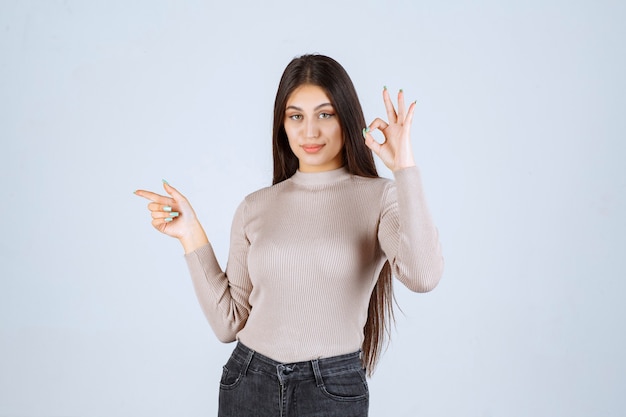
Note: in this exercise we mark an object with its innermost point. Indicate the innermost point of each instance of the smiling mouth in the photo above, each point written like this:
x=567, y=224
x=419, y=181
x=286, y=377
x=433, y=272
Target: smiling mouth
x=312, y=148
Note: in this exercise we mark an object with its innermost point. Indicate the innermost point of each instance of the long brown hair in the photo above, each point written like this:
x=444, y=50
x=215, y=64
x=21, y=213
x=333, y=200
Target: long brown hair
x=328, y=74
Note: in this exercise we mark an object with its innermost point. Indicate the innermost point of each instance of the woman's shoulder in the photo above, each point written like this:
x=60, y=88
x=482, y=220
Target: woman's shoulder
x=265, y=193
x=380, y=181
x=375, y=184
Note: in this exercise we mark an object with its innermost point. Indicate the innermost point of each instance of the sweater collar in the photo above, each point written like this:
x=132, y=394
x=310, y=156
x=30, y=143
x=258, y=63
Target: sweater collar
x=320, y=178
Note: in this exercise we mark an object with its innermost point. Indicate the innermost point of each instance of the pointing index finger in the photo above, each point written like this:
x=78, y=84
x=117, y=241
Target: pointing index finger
x=157, y=198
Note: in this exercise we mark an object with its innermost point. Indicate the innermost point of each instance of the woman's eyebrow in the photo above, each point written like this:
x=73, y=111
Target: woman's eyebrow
x=316, y=108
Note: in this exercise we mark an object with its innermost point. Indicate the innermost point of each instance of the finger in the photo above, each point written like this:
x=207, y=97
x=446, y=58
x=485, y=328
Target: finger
x=370, y=141
x=153, y=196
x=391, y=112
x=163, y=208
x=372, y=144
x=160, y=224
x=401, y=106
x=379, y=124
x=173, y=191
x=164, y=215
x=409, y=117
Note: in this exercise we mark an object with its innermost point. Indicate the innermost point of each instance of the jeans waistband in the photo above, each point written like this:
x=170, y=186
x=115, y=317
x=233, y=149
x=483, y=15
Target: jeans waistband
x=316, y=368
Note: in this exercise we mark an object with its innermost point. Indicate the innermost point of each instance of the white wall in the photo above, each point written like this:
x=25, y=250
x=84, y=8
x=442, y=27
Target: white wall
x=519, y=134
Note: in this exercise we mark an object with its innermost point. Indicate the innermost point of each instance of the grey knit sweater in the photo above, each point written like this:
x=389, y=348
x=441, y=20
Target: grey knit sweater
x=305, y=255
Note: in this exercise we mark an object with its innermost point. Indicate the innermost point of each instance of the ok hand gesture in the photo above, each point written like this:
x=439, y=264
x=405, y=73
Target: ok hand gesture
x=396, y=150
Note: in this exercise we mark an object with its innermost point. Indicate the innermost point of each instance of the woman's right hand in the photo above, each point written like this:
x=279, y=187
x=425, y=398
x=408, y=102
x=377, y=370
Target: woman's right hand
x=175, y=217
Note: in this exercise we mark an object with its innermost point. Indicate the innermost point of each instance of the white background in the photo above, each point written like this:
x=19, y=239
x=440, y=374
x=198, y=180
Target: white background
x=519, y=133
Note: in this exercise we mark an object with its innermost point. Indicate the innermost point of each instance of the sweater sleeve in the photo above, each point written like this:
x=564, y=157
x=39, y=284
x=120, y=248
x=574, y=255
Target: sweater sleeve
x=407, y=234
x=224, y=296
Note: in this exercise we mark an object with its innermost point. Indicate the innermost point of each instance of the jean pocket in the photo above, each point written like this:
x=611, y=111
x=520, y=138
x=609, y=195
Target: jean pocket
x=231, y=374
x=346, y=386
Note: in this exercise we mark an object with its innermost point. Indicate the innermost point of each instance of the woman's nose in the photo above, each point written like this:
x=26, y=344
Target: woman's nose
x=312, y=130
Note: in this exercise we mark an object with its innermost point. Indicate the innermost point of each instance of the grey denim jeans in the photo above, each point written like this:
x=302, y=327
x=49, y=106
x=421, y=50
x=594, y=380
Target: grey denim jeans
x=253, y=385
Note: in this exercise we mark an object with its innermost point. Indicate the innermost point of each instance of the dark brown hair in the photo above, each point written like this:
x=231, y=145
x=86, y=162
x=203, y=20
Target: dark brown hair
x=328, y=74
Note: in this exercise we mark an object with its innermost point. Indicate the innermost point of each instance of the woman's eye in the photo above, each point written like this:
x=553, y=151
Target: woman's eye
x=295, y=117
x=325, y=115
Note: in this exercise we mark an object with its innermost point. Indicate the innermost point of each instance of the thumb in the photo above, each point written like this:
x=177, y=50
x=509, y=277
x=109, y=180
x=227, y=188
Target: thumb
x=371, y=143
x=172, y=191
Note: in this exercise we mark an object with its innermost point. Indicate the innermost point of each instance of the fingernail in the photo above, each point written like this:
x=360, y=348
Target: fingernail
x=165, y=182
x=168, y=219
x=415, y=102
x=384, y=87
x=401, y=90
x=174, y=214
x=167, y=208
x=366, y=130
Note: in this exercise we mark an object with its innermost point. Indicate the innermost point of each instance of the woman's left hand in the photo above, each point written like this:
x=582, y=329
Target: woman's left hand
x=396, y=150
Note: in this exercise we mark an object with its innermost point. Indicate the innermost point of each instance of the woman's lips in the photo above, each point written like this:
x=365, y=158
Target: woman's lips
x=312, y=148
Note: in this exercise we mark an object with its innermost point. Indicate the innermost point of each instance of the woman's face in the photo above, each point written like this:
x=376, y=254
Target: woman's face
x=313, y=129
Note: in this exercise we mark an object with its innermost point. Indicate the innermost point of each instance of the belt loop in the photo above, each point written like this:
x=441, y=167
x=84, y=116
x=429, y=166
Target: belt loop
x=318, y=374
x=244, y=370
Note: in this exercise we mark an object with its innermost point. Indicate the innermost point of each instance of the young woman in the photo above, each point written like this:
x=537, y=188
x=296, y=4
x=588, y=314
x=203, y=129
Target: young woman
x=308, y=285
